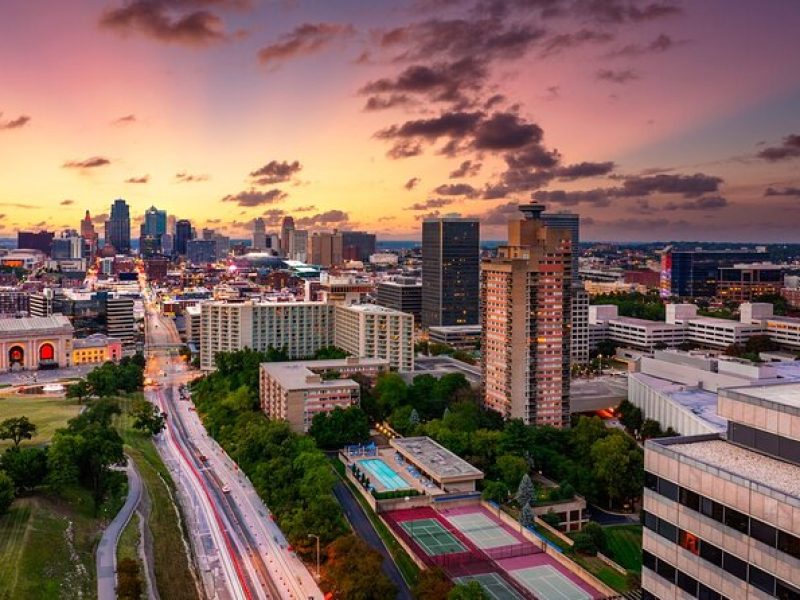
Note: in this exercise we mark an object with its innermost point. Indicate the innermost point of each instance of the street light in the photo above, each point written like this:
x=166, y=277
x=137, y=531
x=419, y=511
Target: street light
x=316, y=537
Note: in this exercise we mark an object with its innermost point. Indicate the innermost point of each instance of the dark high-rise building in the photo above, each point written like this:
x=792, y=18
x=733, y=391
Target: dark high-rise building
x=357, y=245
x=118, y=227
x=287, y=227
x=200, y=252
x=694, y=273
x=183, y=233
x=30, y=240
x=403, y=294
x=571, y=222
x=450, y=271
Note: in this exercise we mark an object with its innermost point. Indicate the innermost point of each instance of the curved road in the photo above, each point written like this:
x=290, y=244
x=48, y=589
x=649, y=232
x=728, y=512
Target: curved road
x=106, y=557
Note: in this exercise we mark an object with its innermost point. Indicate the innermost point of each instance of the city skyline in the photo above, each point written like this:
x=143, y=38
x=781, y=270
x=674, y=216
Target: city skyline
x=628, y=113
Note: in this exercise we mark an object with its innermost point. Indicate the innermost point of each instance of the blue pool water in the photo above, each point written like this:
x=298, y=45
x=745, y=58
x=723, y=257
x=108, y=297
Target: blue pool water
x=385, y=475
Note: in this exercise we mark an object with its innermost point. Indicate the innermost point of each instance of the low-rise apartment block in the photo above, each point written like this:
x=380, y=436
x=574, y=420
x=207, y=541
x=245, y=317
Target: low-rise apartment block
x=297, y=391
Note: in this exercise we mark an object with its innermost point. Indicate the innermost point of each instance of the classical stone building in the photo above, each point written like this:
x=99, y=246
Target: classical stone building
x=32, y=343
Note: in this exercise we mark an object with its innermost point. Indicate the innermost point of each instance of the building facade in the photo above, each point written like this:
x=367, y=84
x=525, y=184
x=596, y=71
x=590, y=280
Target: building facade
x=32, y=343
x=118, y=227
x=358, y=245
x=199, y=252
x=31, y=240
x=299, y=328
x=450, y=271
x=371, y=331
x=259, y=234
x=403, y=294
x=525, y=310
x=96, y=349
x=120, y=323
x=325, y=249
x=695, y=273
x=183, y=233
x=297, y=391
x=722, y=515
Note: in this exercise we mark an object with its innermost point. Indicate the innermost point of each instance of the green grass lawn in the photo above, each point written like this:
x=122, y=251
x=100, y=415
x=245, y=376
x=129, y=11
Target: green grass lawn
x=47, y=549
x=173, y=572
x=625, y=545
x=48, y=414
x=128, y=546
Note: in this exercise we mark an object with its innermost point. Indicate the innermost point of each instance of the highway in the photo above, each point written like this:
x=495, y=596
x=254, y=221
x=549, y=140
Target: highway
x=240, y=543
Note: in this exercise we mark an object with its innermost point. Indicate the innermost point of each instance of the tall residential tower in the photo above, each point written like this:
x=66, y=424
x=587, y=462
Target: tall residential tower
x=525, y=310
x=118, y=227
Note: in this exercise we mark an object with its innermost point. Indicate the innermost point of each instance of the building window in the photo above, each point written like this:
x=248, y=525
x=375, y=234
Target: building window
x=687, y=584
x=711, y=553
x=689, y=541
x=736, y=520
x=761, y=580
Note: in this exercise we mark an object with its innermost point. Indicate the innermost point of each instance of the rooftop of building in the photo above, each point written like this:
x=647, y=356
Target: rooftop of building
x=96, y=340
x=455, y=328
x=298, y=376
x=763, y=470
x=435, y=459
x=723, y=323
x=645, y=323
x=701, y=403
x=32, y=324
x=775, y=394
x=373, y=309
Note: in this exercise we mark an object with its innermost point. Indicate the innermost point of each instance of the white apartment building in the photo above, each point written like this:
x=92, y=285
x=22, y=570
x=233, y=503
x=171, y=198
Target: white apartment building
x=372, y=331
x=299, y=328
x=193, y=319
x=629, y=331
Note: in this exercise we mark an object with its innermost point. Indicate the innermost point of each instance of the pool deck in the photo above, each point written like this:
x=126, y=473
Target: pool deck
x=388, y=456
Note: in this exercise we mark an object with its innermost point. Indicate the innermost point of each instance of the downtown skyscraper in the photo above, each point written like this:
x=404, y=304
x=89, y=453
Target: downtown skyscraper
x=525, y=324
x=450, y=266
x=118, y=227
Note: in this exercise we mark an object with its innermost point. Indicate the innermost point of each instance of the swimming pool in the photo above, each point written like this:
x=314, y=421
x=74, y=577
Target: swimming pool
x=385, y=475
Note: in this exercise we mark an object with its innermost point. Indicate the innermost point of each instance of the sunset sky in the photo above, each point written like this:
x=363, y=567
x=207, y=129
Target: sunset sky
x=654, y=120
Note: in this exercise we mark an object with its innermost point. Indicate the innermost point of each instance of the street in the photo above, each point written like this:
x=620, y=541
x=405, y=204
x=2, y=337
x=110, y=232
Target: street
x=241, y=551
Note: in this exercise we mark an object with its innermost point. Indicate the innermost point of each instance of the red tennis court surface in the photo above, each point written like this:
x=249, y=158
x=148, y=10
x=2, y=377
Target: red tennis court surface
x=490, y=546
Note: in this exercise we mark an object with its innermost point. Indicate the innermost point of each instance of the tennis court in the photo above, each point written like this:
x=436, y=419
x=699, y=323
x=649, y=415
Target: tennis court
x=434, y=539
x=482, y=531
x=546, y=582
x=494, y=586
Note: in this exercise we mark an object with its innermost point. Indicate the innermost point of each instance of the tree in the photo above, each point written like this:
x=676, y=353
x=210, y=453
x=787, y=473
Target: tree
x=6, y=492
x=630, y=416
x=511, y=469
x=468, y=591
x=329, y=352
x=17, y=429
x=27, y=467
x=147, y=417
x=80, y=390
x=390, y=392
x=432, y=584
x=413, y=418
x=551, y=518
x=598, y=535
x=339, y=427
x=584, y=544
x=526, y=516
x=353, y=571
x=650, y=429
x=617, y=466
x=525, y=491
x=494, y=491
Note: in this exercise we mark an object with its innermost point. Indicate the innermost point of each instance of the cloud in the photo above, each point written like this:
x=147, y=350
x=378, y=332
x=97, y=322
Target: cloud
x=500, y=214
x=19, y=205
x=411, y=183
x=566, y=41
x=126, y=120
x=405, y=149
x=184, y=177
x=67, y=202
x=305, y=39
x=687, y=186
x=625, y=11
x=183, y=22
x=620, y=76
x=584, y=169
x=786, y=191
x=431, y=203
x=660, y=44
x=327, y=218
x=505, y=131
x=254, y=197
x=307, y=208
x=467, y=168
x=142, y=179
x=442, y=82
x=100, y=219
x=790, y=148
x=275, y=172
x=456, y=189
x=17, y=123
x=89, y=163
